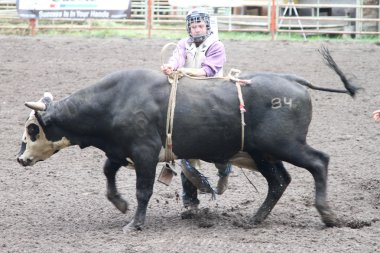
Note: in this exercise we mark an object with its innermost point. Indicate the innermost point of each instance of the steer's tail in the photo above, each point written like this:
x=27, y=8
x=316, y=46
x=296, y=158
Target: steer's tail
x=350, y=89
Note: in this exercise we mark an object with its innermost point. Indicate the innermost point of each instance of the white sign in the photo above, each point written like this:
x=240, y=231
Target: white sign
x=214, y=26
x=211, y=3
x=73, y=8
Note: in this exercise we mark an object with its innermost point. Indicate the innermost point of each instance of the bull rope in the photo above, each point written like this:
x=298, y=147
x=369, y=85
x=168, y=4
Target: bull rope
x=173, y=80
x=169, y=155
x=233, y=76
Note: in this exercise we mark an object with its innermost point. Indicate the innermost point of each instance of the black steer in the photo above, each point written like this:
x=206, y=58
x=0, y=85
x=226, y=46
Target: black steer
x=124, y=115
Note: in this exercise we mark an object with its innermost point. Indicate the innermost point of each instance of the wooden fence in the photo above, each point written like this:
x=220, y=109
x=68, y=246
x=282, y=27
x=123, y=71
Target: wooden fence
x=272, y=16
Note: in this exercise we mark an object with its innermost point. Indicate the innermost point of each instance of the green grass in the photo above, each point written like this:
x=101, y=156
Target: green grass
x=126, y=30
x=175, y=35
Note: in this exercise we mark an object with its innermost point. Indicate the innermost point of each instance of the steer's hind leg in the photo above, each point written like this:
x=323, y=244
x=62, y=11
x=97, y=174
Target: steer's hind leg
x=316, y=162
x=277, y=178
x=110, y=169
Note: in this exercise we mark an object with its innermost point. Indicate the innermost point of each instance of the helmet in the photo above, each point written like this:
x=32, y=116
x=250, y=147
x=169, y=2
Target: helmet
x=196, y=16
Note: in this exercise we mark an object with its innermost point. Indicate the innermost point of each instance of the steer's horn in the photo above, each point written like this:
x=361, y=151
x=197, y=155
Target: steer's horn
x=37, y=106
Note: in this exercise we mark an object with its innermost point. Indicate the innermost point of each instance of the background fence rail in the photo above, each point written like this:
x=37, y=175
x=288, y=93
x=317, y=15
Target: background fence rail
x=255, y=16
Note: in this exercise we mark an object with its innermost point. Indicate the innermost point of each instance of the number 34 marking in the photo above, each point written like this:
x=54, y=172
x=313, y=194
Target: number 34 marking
x=278, y=103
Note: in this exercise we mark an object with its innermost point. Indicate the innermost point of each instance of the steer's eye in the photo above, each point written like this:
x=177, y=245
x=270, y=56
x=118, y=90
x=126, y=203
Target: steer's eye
x=33, y=131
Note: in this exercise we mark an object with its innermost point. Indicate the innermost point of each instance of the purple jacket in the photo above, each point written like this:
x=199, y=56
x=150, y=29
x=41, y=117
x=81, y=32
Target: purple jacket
x=215, y=57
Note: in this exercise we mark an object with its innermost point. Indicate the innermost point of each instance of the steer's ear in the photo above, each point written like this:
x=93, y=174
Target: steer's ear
x=42, y=104
x=48, y=95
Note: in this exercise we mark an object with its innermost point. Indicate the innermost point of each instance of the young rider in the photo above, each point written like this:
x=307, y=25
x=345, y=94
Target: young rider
x=200, y=54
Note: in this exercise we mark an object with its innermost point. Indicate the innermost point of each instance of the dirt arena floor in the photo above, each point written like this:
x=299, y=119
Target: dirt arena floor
x=59, y=205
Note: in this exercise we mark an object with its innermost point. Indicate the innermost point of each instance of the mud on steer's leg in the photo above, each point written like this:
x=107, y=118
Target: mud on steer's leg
x=145, y=175
x=110, y=169
x=278, y=179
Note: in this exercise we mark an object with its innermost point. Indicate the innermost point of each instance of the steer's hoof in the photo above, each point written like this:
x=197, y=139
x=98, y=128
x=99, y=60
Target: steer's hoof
x=222, y=185
x=332, y=221
x=119, y=203
x=131, y=227
x=122, y=206
x=329, y=217
x=257, y=220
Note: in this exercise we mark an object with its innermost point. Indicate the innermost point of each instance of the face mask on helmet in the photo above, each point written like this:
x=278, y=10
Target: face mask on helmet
x=197, y=16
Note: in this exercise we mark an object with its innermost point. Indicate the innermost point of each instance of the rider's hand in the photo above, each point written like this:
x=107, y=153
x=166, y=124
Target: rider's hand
x=376, y=115
x=167, y=69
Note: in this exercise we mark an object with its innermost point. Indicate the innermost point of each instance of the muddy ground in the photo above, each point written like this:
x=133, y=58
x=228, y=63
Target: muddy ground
x=59, y=205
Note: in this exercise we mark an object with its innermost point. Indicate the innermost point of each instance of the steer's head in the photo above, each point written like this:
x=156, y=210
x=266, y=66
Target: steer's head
x=35, y=144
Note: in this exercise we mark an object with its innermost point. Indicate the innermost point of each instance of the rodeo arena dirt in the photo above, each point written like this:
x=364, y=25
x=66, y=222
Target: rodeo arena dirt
x=59, y=205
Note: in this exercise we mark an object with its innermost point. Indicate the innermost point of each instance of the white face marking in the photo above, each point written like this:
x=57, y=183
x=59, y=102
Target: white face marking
x=38, y=147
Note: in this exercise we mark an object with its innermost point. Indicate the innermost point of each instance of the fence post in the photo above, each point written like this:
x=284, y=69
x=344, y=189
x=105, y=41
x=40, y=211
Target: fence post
x=378, y=16
x=273, y=20
x=149, y=17
x=359, y=15
x=32, y=25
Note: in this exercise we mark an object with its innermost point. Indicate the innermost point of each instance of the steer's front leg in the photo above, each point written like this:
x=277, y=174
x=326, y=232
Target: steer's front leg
x=110, y=169
x=145, y=175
